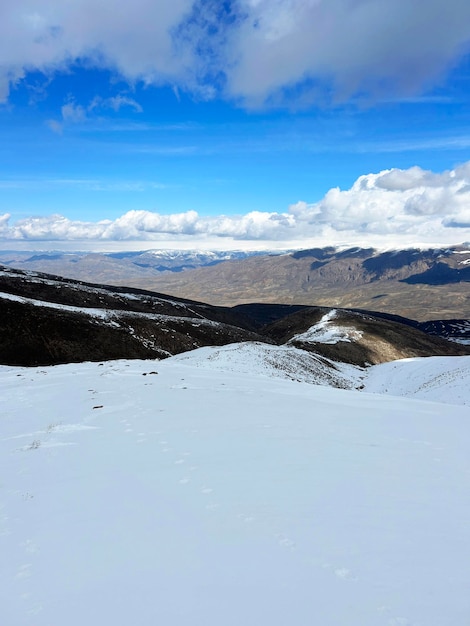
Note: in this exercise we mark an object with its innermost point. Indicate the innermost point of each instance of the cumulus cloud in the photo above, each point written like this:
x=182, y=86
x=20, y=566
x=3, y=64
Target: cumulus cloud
x=413, y=202
x=254, y=50
x=134, y=39
x=393, y=207
x=349, y=46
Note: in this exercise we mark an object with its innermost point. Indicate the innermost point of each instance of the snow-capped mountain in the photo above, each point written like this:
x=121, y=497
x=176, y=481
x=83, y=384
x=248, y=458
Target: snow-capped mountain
x=135, y=269
x=419, y=284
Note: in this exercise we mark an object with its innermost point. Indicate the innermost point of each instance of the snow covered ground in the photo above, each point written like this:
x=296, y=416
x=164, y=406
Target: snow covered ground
x=219, y=498
x=326, y=331
x=264, y=359
x=440, y=379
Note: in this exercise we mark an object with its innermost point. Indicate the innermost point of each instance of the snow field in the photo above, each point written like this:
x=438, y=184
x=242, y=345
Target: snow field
x=439, y=379
x=205, y=497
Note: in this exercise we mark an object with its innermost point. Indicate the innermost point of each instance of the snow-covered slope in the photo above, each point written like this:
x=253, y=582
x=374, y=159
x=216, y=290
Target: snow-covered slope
x=218, y=498
x=326, y=331
x=275, y=362
x=440, y=379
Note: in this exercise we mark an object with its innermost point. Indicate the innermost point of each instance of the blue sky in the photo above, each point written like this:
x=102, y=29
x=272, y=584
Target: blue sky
x=227, y=124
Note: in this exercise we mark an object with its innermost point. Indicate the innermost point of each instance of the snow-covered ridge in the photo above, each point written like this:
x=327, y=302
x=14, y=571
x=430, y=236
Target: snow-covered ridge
x=326, y=331
x=284, y=362
x=439, y=379
x=38, y=278
x=107, y=314
x=202, y=255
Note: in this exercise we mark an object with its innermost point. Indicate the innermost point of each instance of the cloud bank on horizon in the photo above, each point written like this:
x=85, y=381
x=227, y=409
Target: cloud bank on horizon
x=392, y=208
x=253, y=51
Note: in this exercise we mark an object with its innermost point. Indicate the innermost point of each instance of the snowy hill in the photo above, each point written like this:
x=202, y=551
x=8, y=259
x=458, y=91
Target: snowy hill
x=440, y=379
x=205, y=497
x=274, y=362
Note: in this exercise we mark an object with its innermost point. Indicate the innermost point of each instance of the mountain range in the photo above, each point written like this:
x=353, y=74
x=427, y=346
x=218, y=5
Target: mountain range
x=48, y=319
x=422, y=284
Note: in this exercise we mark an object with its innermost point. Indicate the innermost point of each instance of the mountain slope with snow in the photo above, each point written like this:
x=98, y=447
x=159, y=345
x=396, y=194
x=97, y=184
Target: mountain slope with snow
x=357, y=337
x=285, y=362
x=163, y=493
x=46, y=320
x=439, y=379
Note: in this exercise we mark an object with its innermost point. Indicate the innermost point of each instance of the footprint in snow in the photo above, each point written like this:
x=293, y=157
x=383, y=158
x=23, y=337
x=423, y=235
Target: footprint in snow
x=345, y=574
x=285, y=542
x=29, y=546
x=24, y=571
x=34, y=610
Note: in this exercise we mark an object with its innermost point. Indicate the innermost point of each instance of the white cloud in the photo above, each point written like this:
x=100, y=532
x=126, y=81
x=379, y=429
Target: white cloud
x=376, y=48
x=411, y=202
x=390, y=208
x=132, y=38
x=260, y=47
x=4, y=230
x=116, y=103
x=73, y=113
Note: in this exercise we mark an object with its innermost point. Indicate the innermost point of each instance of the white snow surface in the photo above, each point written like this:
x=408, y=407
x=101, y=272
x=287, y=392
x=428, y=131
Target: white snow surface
x=440, y=379
x=210, y=498
x=275, y=362
x=326, y=331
